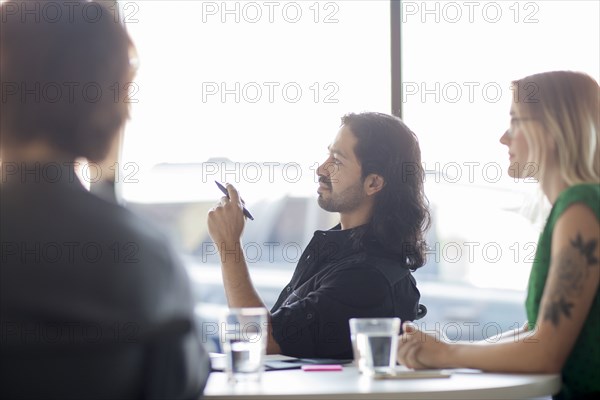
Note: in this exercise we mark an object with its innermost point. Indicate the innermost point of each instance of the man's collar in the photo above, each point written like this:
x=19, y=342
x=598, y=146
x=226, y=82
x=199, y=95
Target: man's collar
x=338, y=231
x=337, y=243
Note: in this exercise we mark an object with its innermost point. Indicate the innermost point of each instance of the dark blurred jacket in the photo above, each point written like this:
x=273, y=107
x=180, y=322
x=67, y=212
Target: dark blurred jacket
x=93, y=302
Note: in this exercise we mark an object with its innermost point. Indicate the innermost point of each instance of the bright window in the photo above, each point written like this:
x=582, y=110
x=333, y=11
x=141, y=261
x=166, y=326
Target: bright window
x=253, y=81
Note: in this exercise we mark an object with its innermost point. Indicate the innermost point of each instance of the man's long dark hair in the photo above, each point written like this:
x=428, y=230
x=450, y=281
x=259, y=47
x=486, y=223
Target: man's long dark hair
x=387, y=147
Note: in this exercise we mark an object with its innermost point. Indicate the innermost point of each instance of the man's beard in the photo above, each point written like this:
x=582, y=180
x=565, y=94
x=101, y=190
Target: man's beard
x=348, y=200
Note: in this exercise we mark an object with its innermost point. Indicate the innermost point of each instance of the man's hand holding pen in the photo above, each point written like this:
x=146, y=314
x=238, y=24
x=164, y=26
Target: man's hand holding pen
x=226, y=220
x=245, y=210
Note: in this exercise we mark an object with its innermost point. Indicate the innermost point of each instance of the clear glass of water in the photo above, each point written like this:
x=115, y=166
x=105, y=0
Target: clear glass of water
x=243, y=334
x=375, y=343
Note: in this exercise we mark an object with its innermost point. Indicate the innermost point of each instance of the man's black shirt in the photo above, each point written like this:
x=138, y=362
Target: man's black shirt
x=333, y=282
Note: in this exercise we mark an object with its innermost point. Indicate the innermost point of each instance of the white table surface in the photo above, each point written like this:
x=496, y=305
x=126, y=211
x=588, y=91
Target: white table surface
x=349, y=384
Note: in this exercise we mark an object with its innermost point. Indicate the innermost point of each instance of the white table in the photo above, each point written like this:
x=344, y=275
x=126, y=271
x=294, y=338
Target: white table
x=349, y=384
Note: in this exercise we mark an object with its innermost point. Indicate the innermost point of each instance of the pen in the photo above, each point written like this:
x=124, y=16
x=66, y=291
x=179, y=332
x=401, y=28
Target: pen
x=224, y=190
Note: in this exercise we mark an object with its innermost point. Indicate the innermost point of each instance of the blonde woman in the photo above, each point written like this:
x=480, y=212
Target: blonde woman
x=554, y=137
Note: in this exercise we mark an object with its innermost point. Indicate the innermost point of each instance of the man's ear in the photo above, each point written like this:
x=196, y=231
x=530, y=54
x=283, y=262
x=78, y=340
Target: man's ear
x=373, y=184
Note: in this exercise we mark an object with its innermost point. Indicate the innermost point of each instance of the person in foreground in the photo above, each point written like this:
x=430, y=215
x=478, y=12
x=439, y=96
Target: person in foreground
x=93, y=302
x=554, y=137
x=373, y=178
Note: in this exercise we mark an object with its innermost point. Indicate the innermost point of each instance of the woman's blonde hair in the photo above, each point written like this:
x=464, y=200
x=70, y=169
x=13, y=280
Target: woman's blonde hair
x=567, y=106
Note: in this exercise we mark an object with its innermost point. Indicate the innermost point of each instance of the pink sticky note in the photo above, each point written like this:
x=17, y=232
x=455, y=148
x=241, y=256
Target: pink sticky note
x=325, y=367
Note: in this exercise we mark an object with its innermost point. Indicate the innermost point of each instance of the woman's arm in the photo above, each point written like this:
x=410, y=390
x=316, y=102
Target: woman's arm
x=508, y=336
x=570, y=289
